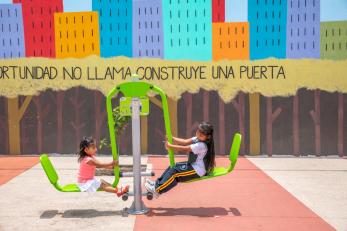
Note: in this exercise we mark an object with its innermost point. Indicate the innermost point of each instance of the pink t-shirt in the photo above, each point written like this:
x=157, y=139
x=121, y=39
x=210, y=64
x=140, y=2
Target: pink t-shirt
x=86, y=171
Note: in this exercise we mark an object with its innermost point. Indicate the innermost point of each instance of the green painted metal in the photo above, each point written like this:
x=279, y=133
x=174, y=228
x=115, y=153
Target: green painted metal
x=53, y=176
x=234, y=153
x=136, y=89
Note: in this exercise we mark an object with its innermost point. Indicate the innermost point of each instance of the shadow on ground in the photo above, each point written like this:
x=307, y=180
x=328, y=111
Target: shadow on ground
x=80, y=213
x=196, y=212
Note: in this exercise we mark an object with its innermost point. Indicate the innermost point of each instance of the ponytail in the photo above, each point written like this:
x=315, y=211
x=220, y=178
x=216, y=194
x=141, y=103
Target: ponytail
x=207, y=129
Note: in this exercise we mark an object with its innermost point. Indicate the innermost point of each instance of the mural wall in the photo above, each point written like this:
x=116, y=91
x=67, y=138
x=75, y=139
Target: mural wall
x=274, y=70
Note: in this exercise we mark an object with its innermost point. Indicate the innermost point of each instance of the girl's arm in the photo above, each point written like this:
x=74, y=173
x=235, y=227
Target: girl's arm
x=176, y=147
x=114, y=163
x=99, y=164
x=181, y=141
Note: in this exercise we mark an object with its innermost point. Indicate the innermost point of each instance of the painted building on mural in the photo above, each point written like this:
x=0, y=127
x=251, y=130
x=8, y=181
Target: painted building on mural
x=115, y=26
x=303, y=29
x=148, y=39
x=39, y=26
x=187, y=29
x=12, y=32
x=334, y=40
x=218, y=10
x=76, y=34
x=267, y=21
x=230, y=41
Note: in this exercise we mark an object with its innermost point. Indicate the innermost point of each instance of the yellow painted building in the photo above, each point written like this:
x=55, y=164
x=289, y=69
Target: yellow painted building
x=76, y=34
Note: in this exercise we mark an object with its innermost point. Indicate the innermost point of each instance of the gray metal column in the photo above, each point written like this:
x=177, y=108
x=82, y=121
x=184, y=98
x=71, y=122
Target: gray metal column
x=137, y=206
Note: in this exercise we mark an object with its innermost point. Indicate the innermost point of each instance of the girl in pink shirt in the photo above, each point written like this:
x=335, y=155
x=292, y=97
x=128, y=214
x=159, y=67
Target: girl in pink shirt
x=88, y=163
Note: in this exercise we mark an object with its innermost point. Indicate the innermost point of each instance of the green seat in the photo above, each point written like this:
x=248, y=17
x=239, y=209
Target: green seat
x=53, y=176
x=221, y=171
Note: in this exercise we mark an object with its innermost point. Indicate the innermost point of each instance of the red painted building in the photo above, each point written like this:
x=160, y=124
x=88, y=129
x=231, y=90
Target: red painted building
x=218, y=10
x=38, y=17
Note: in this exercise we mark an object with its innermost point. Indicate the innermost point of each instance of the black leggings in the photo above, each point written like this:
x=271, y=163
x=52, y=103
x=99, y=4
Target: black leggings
x=182, y=171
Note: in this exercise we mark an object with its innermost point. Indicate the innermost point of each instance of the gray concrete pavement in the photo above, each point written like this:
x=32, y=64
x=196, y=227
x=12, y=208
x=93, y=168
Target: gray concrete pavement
x=30, y=202
x=320, y=183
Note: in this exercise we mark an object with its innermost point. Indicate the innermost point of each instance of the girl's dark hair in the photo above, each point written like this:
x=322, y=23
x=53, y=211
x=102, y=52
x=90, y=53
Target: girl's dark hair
x=207, y=129
x=85, y=143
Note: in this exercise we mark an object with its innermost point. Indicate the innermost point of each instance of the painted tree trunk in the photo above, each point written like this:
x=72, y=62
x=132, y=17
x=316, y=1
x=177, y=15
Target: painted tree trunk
x=59, y=101
x=206, y=105
x=340, y=124
x=296, y=134
x=100, y=114
x=188, y=103
x=221, y=126
x=172, y=104
x=270, y=118
x=4, y=127
x=41, y=113
x=240, y=108
x=315, y=114
x=14, y=115
x=124, y=143
x=76, y=123
x=254, y=124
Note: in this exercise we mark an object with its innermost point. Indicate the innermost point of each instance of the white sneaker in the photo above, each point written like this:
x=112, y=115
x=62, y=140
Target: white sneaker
x=151, y=188
x=150, y=182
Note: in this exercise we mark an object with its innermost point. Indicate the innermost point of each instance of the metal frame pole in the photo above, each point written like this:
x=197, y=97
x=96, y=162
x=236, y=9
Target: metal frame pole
x=137, y=206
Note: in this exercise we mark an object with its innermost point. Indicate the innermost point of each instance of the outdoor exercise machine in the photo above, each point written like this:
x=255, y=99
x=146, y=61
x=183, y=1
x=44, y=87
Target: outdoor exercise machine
x=135, y=103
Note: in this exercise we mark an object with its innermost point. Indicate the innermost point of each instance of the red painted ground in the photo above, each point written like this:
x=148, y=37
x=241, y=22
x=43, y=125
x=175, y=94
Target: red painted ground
x=12, y=166
x=245, y=200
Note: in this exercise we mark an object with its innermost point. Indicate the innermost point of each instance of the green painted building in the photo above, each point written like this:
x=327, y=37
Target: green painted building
x=334, y=40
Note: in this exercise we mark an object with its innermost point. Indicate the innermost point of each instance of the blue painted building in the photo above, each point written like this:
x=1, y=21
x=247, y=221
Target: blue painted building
x=303, y=29
x=187, y=29
x=267, y=19
x=12, y=43
x=115, y=26
x=148, y=40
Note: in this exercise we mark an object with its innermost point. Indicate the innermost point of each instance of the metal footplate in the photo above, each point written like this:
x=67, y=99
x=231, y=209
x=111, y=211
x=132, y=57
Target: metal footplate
x=149, y=195
x=131, y=174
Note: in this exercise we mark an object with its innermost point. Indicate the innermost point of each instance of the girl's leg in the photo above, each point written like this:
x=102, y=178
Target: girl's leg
x=171, y=178
x=107, y=187
x=167, y=171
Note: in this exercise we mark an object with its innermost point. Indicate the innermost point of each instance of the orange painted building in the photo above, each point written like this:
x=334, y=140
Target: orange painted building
x=230, y=40
x=76, y=34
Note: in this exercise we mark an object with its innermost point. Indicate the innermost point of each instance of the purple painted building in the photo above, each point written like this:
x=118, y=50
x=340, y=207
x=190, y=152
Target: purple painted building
x=147, y=29
x=12, y=43
x=303, y=29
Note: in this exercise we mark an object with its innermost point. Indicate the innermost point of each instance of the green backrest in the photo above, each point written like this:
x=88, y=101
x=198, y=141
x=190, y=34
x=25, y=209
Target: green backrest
x=49, y=169
x=234, y=150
